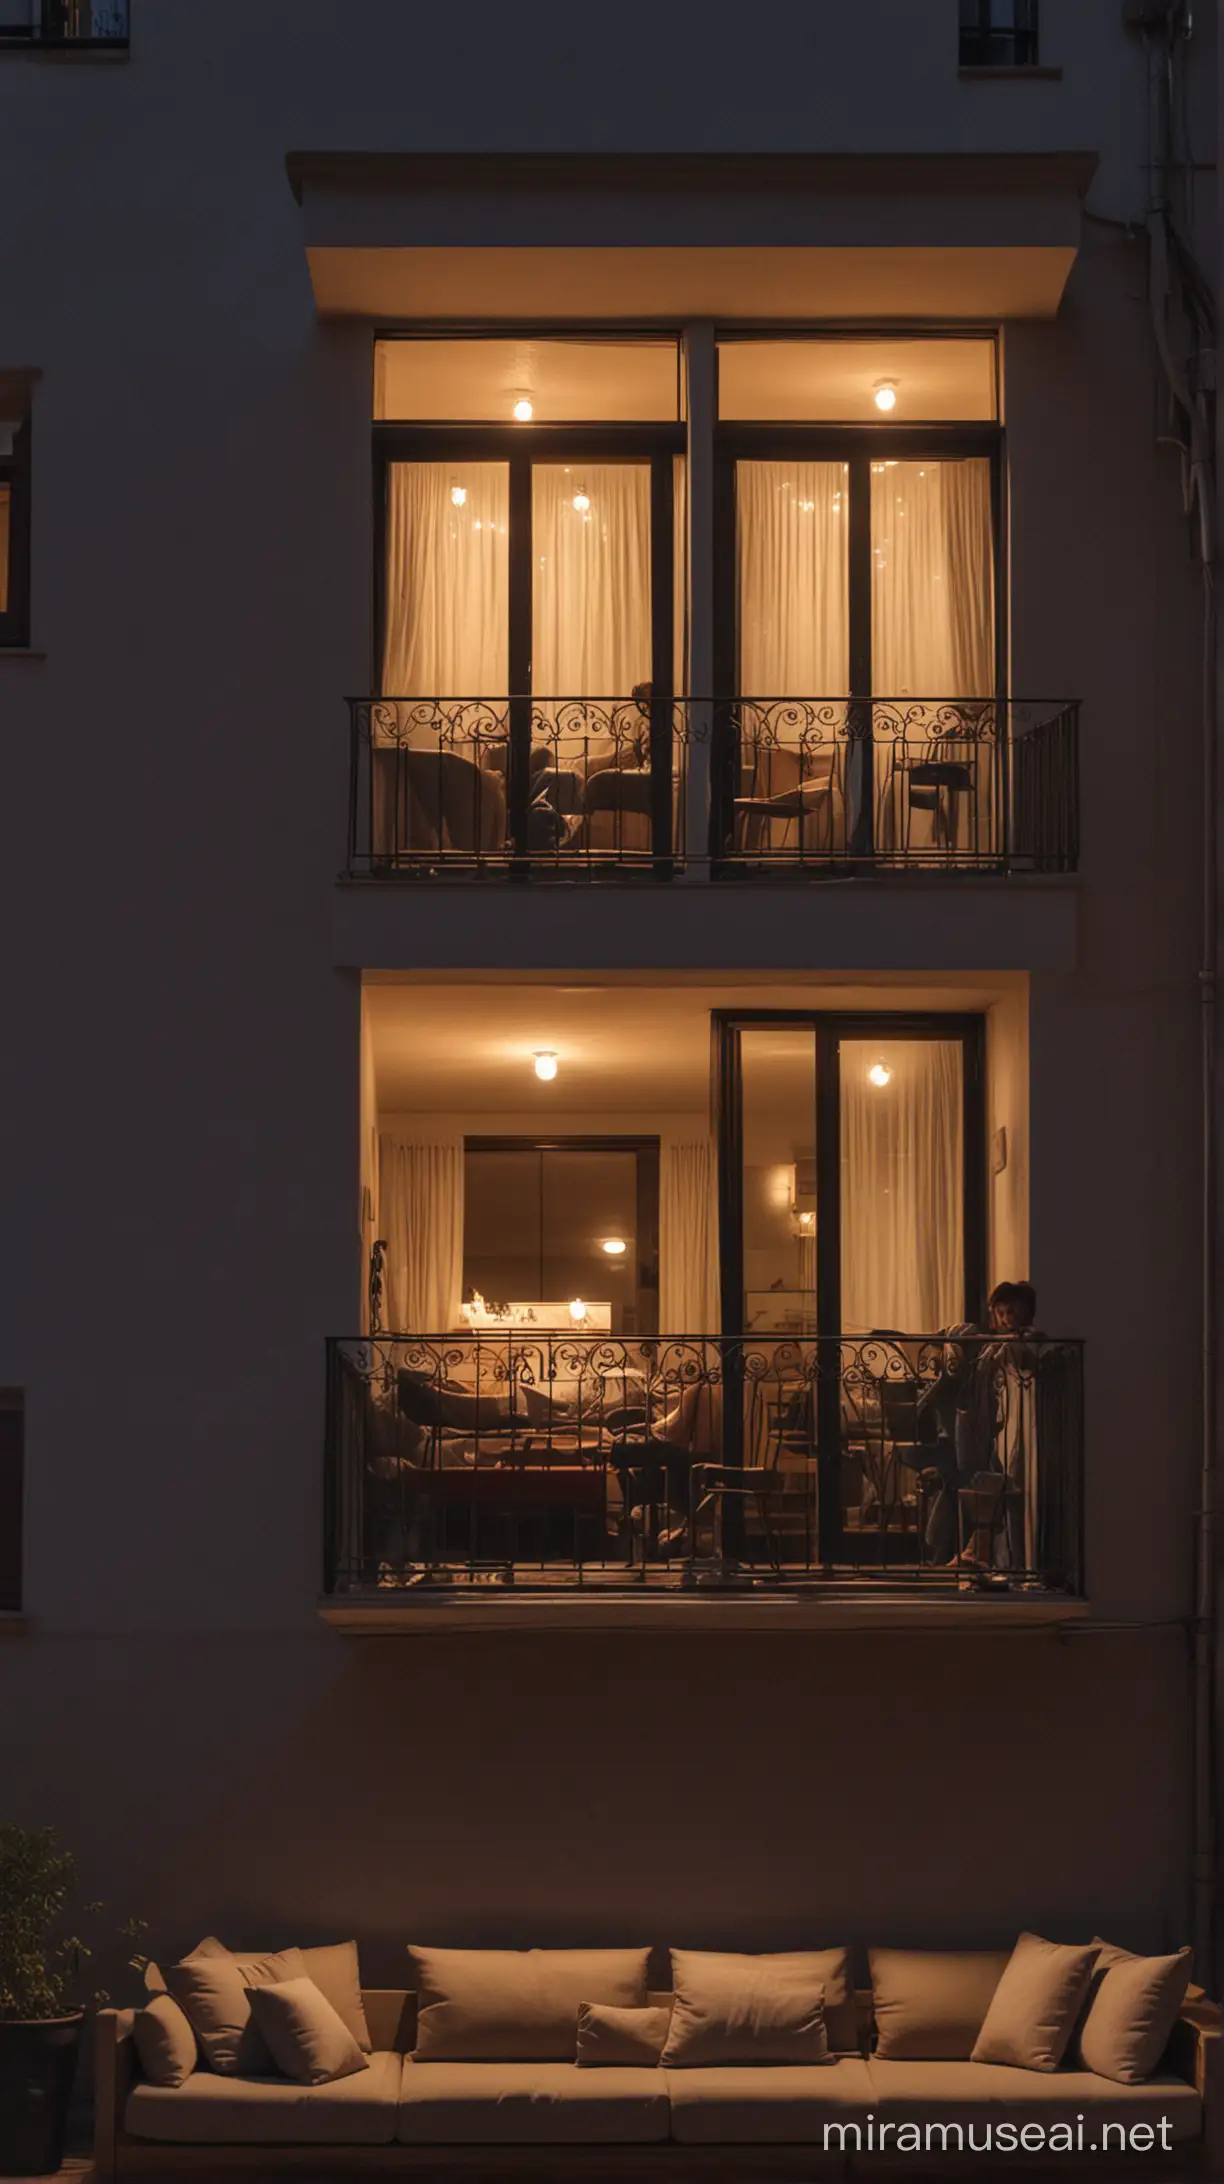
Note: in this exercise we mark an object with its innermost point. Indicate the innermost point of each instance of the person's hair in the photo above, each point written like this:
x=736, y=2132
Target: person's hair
x=1021, y=1294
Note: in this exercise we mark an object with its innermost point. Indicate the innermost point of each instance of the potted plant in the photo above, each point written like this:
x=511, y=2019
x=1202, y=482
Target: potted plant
x=41, y=2008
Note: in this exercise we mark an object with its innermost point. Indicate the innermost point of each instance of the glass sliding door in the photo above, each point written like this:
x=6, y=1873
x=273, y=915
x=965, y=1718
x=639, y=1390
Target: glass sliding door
x=858, y=641
x=792, y=568
x=439, y=733
x=902, y=1184
x=937, y=758
x=853, y=1188
x=531, y=605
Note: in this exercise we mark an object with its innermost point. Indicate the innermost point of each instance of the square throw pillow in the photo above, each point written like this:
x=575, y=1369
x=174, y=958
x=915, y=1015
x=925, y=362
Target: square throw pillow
x=1035, y=2006
x=334, y=1968
x=608, y=2035
x=745, y=2009
x=165, y=2042
x=1133, y=2004
x=516, y=2005
x=211, y=1990
x=930, y=2004
x=306, y=2038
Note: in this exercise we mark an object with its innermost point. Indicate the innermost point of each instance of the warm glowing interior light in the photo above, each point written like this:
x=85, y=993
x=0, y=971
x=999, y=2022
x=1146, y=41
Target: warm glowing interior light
x=582, y=501
x=545, y=1067
x=459, y=495
x=577, y=1311
x=615, y=1246
x=880, y=1073
x=885, y=395
x=523, y=410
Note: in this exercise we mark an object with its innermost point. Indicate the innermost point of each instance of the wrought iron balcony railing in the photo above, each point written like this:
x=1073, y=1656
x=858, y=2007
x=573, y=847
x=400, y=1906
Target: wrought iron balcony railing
x=52, y=25
x=582, y=1461
x=498, y=785
x=811, y=787
x=895, y=784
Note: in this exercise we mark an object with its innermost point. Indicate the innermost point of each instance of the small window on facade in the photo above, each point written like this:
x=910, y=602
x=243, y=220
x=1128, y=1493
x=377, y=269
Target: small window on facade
x=508, y=382
x=14, y=522
x=12, y=1453
x=888, y=381
x=76, y=23
x=998, y=33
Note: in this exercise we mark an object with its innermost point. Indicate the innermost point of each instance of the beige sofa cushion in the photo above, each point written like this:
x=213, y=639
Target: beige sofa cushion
x=336, y=1973
x=1133, y=2004
x=738, y=2106
x=211, y=1988
x=516, y=2005
x=930, y=2004
x=530, y=2104
x=165, y=2042
x=304, y=2036
x=745, y=2009
x=1035, y=2006
x=978, y=2093
x=215, y=2111
x=611, y=2036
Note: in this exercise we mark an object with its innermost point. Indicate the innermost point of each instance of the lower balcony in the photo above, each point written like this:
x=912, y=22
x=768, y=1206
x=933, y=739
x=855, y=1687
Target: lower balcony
x=498, y=1477
x=745, y=789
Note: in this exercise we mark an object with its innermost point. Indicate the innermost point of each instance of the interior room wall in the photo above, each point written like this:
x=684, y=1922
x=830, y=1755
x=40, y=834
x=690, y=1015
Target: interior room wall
x=1007, y=1138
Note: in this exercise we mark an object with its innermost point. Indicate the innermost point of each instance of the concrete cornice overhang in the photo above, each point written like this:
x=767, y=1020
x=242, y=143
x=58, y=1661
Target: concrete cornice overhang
x=668, y=236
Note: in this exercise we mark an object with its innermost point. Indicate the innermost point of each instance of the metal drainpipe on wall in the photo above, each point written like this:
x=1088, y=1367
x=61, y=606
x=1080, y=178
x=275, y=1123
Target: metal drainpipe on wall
x=1166, y=28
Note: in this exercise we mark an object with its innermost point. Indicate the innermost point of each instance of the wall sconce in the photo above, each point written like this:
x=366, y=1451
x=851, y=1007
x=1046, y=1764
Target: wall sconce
x=545, y=1065
x=578, y=1311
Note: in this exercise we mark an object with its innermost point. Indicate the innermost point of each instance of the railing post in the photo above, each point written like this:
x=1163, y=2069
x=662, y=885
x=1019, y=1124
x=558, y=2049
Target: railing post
x=701, y=373
x=518, y=781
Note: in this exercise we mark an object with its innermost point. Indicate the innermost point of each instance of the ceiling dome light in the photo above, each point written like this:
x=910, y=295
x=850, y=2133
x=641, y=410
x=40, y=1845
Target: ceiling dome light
x=880, y=1073
x=582, y=500
x=459, y=495
x=615, y=1246
x=886, y=394
x=545, y=1065
x=523, y=410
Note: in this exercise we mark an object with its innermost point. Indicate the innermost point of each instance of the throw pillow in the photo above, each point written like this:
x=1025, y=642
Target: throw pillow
x=165, y=2042
x=745, y=2009
x=1036, y=2003
x=608, y=2035
x=212, y=1992
x=515, y=2005
x=1133, y=2004
x=930, y=2004
x=307, y=2039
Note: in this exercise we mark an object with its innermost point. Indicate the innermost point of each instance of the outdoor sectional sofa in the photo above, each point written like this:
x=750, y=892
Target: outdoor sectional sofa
x=496, y=2117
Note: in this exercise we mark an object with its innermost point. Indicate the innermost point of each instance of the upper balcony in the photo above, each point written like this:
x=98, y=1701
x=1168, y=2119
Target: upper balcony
x=749, y=788
x=574, y=534
x=56, y=26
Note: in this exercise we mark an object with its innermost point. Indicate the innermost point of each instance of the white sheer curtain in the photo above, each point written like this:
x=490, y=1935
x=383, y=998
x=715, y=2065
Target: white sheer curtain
x=591, y=579
x=448, y=583
x=421, y=1207
x=794, y=524
x=932, y=579
x=688, y=1239
x=902, y=1185
x=370, y=1207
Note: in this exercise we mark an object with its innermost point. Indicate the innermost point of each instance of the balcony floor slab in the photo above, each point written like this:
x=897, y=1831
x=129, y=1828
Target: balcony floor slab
x=929, y=922
x=454, y=1608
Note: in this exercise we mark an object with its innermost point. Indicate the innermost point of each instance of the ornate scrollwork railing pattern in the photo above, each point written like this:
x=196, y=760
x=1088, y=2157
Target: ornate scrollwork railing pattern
x=801, y=785
x=900, y=783
x=566, y=1459
x=483, y=784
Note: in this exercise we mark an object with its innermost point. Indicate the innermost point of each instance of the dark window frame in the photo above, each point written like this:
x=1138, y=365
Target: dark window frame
x=519, y=447
x=987, y=43
x=15, y=473
x=858, y=446
x=647, y=1150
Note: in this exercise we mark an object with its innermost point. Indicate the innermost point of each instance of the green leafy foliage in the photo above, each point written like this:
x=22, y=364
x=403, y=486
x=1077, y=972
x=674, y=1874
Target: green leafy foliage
x=41, y=1959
